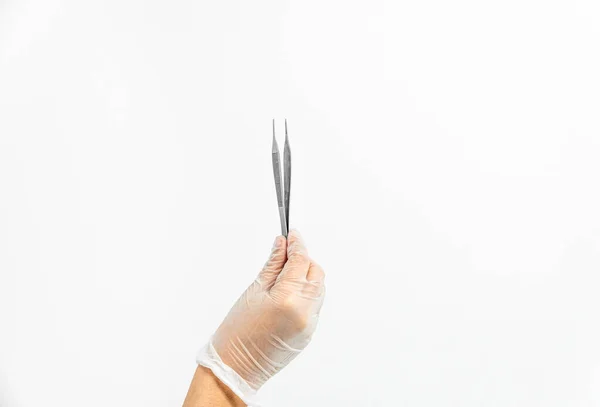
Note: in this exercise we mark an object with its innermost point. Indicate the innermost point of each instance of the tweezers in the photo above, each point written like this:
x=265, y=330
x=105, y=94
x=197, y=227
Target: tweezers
x=283, y=194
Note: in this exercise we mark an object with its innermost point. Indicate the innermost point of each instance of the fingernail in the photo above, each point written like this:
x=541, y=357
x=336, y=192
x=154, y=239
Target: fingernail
x=276, y=243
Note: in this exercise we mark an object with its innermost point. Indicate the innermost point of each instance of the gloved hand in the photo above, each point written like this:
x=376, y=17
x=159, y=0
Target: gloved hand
x=272, y=321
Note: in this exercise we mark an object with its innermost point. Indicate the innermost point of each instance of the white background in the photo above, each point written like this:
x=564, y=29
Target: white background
x=446, y=175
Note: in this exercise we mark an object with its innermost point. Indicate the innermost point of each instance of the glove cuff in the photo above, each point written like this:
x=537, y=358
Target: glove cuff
x=208, y=357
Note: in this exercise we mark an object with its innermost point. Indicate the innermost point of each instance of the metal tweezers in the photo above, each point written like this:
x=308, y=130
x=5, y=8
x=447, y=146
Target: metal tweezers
x=283, y=195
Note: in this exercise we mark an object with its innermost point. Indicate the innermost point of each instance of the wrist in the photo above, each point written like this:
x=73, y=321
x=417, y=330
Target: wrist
x=208, y=357
x=207, y=389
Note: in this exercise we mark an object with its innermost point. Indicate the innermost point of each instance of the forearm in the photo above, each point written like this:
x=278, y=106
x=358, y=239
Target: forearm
x=208, y=391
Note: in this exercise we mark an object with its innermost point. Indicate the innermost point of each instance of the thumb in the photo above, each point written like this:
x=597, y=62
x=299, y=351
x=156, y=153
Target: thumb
x=297, y=262
x=274, y=264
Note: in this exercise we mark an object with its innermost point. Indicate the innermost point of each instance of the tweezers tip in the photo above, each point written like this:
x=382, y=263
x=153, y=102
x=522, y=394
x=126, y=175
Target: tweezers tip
x=275, y=148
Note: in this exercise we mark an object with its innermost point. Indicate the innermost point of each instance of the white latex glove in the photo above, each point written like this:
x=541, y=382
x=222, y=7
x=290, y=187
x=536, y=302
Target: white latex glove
x=272, y=321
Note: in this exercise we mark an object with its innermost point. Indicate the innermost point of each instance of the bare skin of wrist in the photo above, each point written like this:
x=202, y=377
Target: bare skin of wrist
x=208, y=391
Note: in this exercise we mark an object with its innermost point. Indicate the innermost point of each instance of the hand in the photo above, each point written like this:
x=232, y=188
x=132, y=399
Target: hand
x=275, y=318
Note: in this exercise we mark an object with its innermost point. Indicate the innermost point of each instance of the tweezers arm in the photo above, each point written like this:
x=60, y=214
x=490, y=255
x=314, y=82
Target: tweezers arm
x=279, y=190
x=287, y=177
